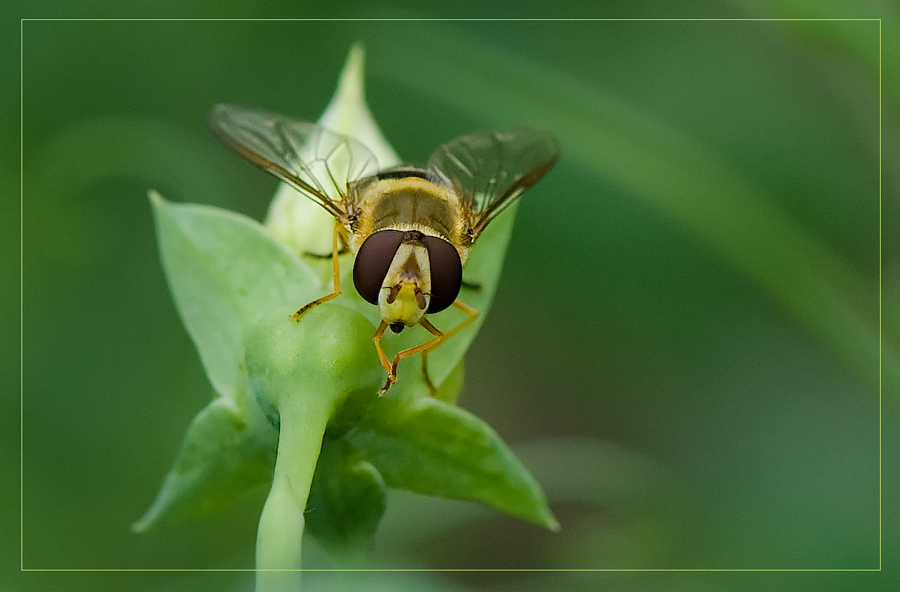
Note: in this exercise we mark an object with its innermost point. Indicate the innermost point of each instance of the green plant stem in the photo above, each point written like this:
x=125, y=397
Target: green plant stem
x=280, y=534
x=301, y=374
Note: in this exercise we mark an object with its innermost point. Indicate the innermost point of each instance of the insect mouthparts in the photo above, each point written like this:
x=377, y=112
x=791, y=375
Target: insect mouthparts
x=397, y=327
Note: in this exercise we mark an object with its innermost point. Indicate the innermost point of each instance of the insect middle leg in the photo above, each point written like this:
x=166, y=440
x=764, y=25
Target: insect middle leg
x=423, y=348
x=345, y=248
x=339, y=233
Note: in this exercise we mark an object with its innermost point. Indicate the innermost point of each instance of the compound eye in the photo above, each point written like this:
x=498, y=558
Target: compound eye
x=373, y=261
x=446, y=273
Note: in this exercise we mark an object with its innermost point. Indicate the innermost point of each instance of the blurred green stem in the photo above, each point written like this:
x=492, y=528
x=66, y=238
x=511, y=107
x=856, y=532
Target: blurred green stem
x=280, y=534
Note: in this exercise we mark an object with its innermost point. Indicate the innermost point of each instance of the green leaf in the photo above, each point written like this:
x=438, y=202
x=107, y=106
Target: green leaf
x=223, y=456
x=345, y=505
x=434, y=448
x=224, y=273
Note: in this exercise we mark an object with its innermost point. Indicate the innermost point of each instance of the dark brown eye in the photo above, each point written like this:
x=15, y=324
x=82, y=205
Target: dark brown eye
x=446, y=273
x=373, y=261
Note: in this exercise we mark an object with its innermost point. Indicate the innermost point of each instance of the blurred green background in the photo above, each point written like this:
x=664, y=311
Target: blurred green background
x=684, y=347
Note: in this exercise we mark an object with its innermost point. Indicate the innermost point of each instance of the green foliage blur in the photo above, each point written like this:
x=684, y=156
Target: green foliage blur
x=684, y=347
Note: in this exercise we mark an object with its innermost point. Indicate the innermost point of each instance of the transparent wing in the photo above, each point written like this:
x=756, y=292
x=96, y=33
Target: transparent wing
x=490, y=169
x=314, y=160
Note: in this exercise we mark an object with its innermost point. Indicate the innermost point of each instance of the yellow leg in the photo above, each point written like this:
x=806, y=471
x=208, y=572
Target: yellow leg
x=423, y=348
x=336, y=267
x=377, y=339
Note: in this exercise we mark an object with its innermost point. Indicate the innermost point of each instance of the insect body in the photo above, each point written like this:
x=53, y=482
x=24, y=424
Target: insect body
x=411, y=229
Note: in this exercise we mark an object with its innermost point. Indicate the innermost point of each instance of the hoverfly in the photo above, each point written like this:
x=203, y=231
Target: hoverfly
x=410, y=228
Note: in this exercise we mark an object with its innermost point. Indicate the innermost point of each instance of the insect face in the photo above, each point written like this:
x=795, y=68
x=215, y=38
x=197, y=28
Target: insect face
x=407, y=274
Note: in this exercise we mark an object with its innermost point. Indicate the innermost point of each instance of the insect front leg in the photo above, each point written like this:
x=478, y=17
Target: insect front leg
x=339, y=234
x=424, y=348
x=391, y=369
